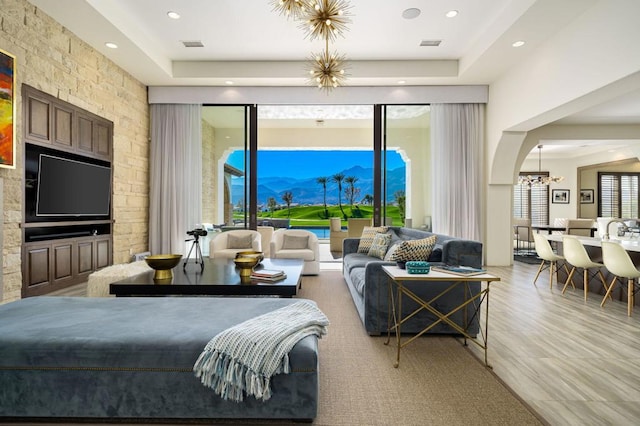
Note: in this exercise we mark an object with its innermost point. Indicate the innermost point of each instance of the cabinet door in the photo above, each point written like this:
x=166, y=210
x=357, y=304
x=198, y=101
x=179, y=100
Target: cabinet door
x=38, y=118
x=85, y=257
x=38, y=259
x=102, y=139
x=62, y=126
x=62, y=261
x=103, y=253
x=84, y=134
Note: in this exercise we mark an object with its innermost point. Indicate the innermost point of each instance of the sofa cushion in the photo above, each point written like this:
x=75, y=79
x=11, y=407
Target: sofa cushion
x=436, y=255
x=355, y=260
x=366, y=239
x=415, y=249
x=358, y=276
x=379, y=245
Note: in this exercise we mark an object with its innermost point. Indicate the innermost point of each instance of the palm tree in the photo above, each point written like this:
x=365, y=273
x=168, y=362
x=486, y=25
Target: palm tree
x=271, y=205
x=400, y=201
x=351, y=181
x=338, y=178
x=323, y=181
x=367, y=199
x=287, y=197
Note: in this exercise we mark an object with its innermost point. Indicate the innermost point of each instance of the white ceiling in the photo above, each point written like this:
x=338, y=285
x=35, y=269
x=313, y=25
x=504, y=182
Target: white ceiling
x=246, y=42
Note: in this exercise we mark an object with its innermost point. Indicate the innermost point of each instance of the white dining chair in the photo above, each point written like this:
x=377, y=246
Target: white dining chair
x=577, y=256
x=619, y=263
x=549, y=258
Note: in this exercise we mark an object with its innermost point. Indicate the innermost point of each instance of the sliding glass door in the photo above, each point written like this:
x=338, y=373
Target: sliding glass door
x=404, y=158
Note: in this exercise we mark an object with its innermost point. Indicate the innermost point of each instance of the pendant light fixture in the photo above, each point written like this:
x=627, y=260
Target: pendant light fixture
x=539, y=179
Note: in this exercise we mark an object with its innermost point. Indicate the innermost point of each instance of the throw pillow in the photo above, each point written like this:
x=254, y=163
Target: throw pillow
x=379, y=245
x=239, y=241
x=415, y=249
x=366, y=239
x=391, y=251
x=295, y=242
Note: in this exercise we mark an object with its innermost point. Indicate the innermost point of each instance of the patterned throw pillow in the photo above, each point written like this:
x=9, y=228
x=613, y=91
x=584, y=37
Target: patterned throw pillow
x=415, y=249
x=366, y=239
x=379, y=245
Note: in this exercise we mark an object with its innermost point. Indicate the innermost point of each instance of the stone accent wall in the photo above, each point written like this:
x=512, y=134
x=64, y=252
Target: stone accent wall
x=208, y=173
x=53, y=60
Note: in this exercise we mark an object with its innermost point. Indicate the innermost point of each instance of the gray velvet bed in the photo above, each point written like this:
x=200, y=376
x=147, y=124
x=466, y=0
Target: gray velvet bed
x=132, y=358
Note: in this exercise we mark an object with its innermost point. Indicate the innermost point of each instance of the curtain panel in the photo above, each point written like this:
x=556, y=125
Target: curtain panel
x=457, y=153
x=175, y=200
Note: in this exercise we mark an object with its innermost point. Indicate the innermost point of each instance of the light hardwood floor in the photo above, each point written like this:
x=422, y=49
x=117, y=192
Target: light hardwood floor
x=573, y=362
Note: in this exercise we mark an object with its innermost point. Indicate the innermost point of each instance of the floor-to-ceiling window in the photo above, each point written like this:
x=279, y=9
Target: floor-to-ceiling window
x=315, y=158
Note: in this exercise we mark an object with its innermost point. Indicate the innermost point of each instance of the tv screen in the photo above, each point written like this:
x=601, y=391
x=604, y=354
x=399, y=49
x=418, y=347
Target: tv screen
x=72, y=188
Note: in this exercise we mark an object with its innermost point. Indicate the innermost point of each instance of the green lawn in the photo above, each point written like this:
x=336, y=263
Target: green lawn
x=307, y=216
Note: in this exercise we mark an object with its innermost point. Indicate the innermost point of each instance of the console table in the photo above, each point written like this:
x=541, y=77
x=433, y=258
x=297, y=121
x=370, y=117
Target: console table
x=218, y=278
x=400, y=276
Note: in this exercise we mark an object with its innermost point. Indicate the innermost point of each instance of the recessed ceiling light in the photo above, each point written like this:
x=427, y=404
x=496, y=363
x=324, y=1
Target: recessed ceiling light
x=111, y=45
x=451, y=14
x=401, y=81
x=411, y=13
x=173, y=15
x=518, y=43
x=229, y=82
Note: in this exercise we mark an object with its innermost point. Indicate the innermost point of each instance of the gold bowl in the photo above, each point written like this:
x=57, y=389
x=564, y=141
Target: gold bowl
x=246, y=264
x=163, y=264
x=257, y=254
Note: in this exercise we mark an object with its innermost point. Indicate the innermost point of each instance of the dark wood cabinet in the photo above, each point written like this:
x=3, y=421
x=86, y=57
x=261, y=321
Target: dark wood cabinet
x=53, y=265
x=62, y=252
x=53, y=122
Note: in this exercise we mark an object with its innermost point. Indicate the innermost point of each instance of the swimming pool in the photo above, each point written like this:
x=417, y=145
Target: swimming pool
x=321, y=232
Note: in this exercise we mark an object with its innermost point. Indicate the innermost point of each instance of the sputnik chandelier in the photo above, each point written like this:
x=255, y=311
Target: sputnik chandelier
x=321, y=19
x=539, y=180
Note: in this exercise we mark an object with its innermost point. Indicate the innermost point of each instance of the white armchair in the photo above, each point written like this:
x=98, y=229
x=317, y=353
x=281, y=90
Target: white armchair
x=297, y=244
x=227, y=244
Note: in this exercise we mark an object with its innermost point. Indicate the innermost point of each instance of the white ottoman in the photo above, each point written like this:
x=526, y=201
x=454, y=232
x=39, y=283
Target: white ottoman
x=98, y=283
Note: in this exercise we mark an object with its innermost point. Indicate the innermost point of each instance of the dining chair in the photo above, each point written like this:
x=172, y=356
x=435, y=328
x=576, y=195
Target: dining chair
x=577, y=256
x=619, y=263
x=549, y=258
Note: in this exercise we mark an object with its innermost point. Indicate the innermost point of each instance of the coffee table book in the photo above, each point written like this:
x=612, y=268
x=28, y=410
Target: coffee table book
x=466, y=271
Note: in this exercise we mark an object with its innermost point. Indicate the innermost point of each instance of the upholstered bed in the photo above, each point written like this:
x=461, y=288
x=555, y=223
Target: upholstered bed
x=132, y=358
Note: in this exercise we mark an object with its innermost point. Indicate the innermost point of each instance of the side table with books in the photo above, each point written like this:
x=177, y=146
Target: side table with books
x=457, y=277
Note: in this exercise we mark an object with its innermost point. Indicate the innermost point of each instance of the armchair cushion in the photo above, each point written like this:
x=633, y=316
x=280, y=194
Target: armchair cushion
x=295, y=242
x=239, y=241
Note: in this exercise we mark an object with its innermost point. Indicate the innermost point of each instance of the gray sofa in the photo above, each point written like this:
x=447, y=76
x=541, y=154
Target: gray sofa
x=115, y=359
x=369, y=284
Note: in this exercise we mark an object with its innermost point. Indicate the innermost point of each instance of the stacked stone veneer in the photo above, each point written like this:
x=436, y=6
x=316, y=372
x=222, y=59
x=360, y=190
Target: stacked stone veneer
x=53, y=60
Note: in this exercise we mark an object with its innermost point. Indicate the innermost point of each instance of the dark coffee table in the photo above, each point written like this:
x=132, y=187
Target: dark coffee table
x=219, y=278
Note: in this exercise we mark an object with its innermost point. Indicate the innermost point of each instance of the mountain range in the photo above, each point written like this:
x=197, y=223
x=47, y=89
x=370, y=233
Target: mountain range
x=309, y=192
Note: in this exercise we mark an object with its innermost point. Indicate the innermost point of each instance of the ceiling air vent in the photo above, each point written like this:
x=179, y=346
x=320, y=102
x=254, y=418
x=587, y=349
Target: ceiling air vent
x=195, y=43
x=433, y=43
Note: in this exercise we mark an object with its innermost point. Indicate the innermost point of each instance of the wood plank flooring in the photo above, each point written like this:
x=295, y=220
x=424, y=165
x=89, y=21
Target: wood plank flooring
x=573, y=362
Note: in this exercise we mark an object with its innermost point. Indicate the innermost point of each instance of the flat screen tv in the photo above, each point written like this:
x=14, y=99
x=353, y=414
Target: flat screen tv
x=72, y=188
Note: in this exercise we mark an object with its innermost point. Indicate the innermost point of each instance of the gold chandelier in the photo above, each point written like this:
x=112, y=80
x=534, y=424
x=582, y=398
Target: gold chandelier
x=327, y=70
x=321, y=19
x=539, y=180
x=291, y=8
x=326, y=19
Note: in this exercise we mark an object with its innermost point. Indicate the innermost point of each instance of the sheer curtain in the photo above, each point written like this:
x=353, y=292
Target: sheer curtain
x=175, y=200
x=457, y=153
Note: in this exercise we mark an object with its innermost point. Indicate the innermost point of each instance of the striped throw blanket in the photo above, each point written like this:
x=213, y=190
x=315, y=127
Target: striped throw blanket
x=243, y=358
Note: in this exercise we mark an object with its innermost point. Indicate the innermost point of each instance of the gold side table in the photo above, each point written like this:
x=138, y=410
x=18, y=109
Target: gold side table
x=396, y=319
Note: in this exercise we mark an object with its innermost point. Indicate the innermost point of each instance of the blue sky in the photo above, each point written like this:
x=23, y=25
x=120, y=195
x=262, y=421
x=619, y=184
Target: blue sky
x=310, y=164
